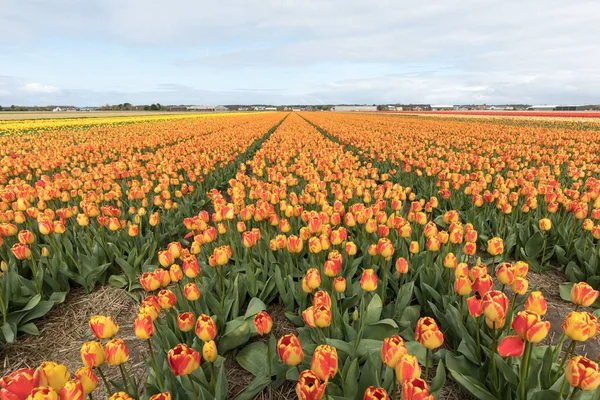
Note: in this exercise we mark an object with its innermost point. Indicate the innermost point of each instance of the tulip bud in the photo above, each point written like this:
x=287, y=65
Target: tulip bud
x=116, y=352
x=209, y=351
x=183, y=360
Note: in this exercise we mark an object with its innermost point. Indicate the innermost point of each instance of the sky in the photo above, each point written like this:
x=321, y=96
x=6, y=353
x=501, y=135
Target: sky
x=89, y=53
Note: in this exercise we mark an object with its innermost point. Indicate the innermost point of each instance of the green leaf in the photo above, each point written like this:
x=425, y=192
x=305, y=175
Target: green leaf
x=374, y=309
x=8, y=332
x=565, y=290
x=574, y=273
x=118, y=281
x=381, y=329
x=417, y=350
x=534, y=245
x=30, y=329
x=259, y=384
x=544, y=395
x=344, y=347
x=366, y=346
x=440, y=379
x=221, y=385
x=253, y=358
x=472, y=385
x=234, y=337
x=254, y=307
x=351, y=380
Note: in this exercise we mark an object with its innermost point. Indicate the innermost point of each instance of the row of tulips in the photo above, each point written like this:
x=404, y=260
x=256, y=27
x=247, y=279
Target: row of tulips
x=536, y=187
x=382, y=284
x=86, y=213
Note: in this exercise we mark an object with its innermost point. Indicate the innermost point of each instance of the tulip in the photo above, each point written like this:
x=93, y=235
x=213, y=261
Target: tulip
x=432, y=244
x=313, y=278
x=545, y=224
x=51, y=374
x=206, y=329
x=494, y=305
x=450, y=261
x=339, y=284
x=166, y=299
x=21, y=251
x=89, y=380
x=191, y=268
x=321, y=298
x=185, y=321
x=428, y=334
x=373, y=393
x=289, y=350
x=474, y=306
x=462, y=286
x=294, y=244
x=308, y=316
x=401, y=266
x=103, y=327
x=506, y=273
x=175, y=273
x=368, y=280
x=149, y=281
x=519, y=286
x=407, y=368
x=17, y=385
x=583, y=294
x=191, y=291
x=522, y=268
x=392, y=350
x=416, y=389
x=580, y=326
x=43, y=393
x=322, y=316
x=143, y=326
x=92, y=354
x=536, y=303
x=529, y=327
x=413, y=248
x=495, y=246
x=309, y=387
x=469, y=248
x=351, y=248
x=331, y=269
x=120, y=396
x=324, y=362
x=161, y=396
x=582, y=373
x=209, y=351
x=72, y=390
x=163, y=277
x=116, y=352
x=263, y=323
x=483, y=284
x=183, y=360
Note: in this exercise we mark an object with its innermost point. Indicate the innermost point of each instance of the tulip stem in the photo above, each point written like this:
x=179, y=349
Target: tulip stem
x=269, y=357
x=569, y=351
x=543, y=251
x=524, y=370
x=364, y=320
x=395, y=390
x=575, y=390
x=105, y=381
x=426, y=365
x=494, y=349
x=562, y=388
x=90, y=396
x=478, y=337
x=193, y=387
x=298, y=368
x=559, y=345
x=221, y=273
x=123, y=377
x=155, y=365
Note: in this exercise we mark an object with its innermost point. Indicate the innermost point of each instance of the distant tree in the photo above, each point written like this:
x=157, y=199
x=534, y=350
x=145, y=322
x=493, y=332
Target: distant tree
x=154, y=107
x=0, y=108
x=146, y=108
x=159, y=106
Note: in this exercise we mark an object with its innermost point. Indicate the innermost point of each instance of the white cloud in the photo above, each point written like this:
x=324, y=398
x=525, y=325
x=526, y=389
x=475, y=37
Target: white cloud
x=36, y=87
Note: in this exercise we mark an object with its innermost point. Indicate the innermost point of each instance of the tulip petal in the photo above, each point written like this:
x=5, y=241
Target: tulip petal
x=511, y=346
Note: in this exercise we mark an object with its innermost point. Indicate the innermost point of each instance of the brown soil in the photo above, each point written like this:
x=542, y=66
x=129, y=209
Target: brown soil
x=548, y=283
x=65, y=329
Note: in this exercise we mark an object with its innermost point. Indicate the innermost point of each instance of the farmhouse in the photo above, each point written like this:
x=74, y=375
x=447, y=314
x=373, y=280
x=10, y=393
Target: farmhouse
x=442, y=107
x=345, y=108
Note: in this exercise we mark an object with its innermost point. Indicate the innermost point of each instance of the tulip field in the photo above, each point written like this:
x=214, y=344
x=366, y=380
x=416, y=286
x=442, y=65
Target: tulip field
x=400, y=249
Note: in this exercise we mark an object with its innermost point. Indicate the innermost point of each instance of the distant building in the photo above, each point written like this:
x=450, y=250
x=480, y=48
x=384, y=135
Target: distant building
x=442, y=107
x=354, y=108
x=541, y=108
x=178, y=108
x=57, y=109
x=501, y=108
x=201, y=108
x=221, y=109
x=580, y=107
x=270, y=108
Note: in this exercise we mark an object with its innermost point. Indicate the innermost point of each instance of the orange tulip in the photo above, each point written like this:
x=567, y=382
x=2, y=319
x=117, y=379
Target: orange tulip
x=324, y=362
x=289, y=350
x=183, y=360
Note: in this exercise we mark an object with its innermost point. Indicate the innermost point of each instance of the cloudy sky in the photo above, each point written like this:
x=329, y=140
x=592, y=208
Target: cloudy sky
x=81, y=52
